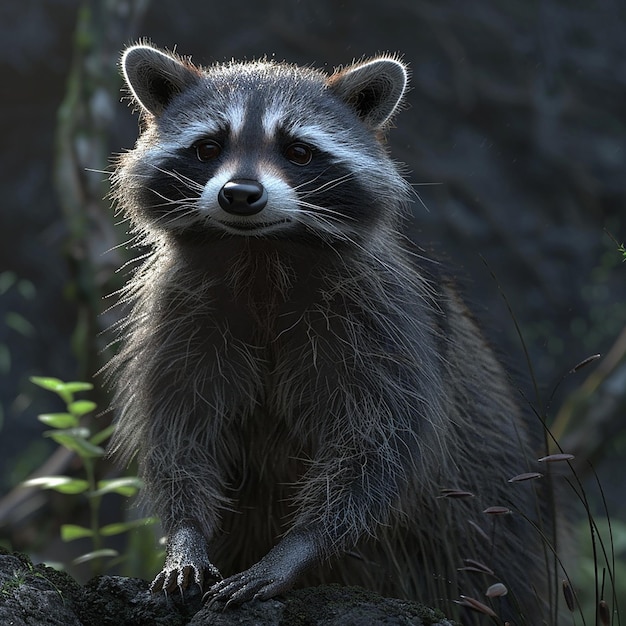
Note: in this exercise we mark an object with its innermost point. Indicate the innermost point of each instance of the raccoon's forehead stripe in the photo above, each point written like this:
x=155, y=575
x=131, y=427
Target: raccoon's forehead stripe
x=231, y=118
x=337, y=145
x=188, y=133
x=271, y=120
x=234, y=116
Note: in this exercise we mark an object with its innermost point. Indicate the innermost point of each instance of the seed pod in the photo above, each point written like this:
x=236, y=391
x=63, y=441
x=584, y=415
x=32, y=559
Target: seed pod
x=496, y=590
x=455, y=493
x=604, y=613
x=526, y=476
x=556, y=458
x=497, y=510
x=568, y=594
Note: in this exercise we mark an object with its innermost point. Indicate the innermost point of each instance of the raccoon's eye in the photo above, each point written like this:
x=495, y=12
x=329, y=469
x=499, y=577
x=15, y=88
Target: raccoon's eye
x=207, y=149
x=299, y=153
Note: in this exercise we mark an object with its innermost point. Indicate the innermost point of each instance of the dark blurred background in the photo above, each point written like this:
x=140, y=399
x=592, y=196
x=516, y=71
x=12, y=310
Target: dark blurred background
x=514, y=137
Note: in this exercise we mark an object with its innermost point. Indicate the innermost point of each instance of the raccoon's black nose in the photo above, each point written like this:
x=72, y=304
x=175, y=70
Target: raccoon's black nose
x=242, y=197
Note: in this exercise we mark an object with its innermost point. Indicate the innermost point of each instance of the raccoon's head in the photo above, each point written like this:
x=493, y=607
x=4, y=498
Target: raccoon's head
x=261, y=149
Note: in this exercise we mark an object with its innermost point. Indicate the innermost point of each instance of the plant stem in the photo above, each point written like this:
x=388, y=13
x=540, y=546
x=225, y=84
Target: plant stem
x=94, y=508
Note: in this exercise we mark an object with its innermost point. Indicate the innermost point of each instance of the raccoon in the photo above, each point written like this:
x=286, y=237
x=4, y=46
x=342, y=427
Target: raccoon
x=307, y=396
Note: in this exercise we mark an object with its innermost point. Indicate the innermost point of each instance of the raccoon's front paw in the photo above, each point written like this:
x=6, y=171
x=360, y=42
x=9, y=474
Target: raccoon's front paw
x=275, y=573
x=187, y=562
x=256, y=583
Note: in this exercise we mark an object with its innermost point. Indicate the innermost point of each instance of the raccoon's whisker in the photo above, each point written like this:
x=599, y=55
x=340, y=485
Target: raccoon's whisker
x=189, y=182
x=312, y=219
x=308, y=182
x=326, y=230
x=327, y=211
x=176, y=206
x=331, y=184
x=94, y=170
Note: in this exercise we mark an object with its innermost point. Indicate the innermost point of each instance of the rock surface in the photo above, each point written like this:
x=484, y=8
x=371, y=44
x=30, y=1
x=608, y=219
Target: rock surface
x=36, y=595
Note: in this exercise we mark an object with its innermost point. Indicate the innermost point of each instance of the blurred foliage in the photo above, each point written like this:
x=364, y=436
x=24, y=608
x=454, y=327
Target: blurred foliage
x=81, y=162
x=597, y=323
x=613, y=536
x=590, y=420
x=70, y=430
x=14, y=323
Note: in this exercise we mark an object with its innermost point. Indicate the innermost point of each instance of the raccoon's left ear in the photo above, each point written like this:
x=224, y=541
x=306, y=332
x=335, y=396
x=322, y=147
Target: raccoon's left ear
x=155, y=77
x=374, y=89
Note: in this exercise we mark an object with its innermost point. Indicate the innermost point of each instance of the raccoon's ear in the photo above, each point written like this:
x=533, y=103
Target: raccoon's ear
x=374, y=88
x=155, y=77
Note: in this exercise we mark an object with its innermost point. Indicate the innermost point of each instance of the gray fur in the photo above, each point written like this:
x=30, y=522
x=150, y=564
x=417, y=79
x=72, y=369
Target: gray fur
x=298, y=396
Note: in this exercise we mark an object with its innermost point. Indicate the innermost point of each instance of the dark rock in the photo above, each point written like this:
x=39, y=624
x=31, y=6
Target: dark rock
x=36, y=595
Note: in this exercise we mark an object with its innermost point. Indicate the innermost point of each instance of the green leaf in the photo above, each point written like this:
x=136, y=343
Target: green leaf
x=7, y=280
x=96, y=554
x=78, y=432
x=27, y=289
x=19, y=323
x=116, y=529
x=69, y=532
x=58, y=420
x=127, y=486
x=76, y=439
x=122, y=527
x=63, y=389
x=62, y=484
x=76, y=386
x=51, y=384
x=81, y=407
x=103, y=435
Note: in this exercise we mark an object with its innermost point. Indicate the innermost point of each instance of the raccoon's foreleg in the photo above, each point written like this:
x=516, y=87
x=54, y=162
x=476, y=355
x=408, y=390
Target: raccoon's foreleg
x=184, y=483
x=350, y=489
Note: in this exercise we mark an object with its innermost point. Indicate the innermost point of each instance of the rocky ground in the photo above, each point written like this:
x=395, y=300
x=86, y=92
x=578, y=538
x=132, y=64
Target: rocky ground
x=36, y=595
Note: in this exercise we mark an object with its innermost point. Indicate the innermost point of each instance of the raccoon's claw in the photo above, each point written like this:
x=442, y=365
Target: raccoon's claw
x=186, y=562
x=182, y=576
x=248, y=585
x=275, y=573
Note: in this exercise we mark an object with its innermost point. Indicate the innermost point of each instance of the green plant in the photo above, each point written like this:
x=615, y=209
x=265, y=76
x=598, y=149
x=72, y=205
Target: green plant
x=610, y=533
x=69, y=430
x=601, y=567
x=11, y=584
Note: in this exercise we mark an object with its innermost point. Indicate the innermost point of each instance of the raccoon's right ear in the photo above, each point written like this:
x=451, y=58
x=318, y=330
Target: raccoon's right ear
x=374, y=89
x=155, y=77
